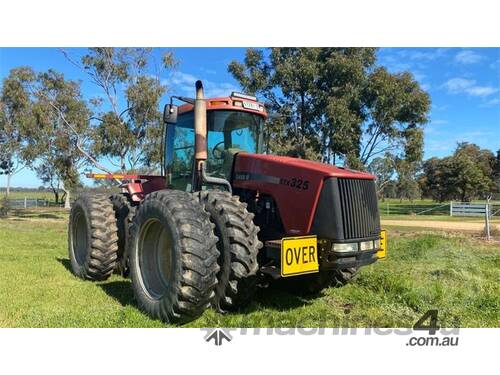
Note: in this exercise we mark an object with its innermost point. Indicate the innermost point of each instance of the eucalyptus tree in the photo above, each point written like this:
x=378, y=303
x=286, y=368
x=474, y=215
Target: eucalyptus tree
x=334, y=104
x=14, y=119
x=60, y=138
x=128, y=122
x=467, y=174
x=52, y=130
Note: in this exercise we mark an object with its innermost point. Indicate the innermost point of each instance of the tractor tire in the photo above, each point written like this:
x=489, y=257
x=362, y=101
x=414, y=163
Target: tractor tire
x=173, y=257
x=238, y=246
x=124, y=213
x=92, y=237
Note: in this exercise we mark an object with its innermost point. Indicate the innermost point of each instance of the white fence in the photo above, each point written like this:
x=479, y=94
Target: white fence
x=470, y=209
x=473, y=209
x=32, y=202
x=419, y=208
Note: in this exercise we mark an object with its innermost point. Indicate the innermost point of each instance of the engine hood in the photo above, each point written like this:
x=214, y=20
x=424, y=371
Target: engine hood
x=295, y=184
x=325, y=170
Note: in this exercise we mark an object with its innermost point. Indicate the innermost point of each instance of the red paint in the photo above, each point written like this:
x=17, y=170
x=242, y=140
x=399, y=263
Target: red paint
x=134, y=190
x=296, y=205
x=225, y=103
x=138, y=185
x=139, y=188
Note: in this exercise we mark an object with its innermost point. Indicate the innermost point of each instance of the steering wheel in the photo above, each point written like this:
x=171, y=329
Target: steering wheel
x=218, y=152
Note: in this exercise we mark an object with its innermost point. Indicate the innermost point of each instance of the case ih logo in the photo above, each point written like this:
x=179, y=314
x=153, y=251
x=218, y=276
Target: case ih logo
x=217, y=335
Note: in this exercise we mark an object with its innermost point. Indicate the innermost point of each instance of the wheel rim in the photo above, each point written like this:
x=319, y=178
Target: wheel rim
x=155, y=258
x=80, y=237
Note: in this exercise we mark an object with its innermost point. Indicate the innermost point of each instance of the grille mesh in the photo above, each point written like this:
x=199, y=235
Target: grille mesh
x=359, y=207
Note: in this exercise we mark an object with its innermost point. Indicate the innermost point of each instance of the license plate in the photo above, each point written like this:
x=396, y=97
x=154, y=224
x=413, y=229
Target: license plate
x=250, y=105
x=299, y=255
x=382, y=253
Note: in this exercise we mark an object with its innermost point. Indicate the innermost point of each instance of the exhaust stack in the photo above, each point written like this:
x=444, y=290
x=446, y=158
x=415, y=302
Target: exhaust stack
x=200, y=175
x=200, y=126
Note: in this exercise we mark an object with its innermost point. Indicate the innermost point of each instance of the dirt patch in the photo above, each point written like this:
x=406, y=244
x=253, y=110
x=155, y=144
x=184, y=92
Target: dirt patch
x=443, y=225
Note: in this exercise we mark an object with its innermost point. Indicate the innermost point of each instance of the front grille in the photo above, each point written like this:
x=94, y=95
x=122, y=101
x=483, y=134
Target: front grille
x=358, y=204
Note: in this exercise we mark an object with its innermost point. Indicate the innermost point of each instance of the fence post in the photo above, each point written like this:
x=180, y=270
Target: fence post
x=487, y=221
x=25, y=205
x=451, y=208
x=387, y=208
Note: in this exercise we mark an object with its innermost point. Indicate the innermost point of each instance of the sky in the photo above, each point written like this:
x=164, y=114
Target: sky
x=464, y=85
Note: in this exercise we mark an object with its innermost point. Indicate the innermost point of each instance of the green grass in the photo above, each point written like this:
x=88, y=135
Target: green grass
x=456, y=274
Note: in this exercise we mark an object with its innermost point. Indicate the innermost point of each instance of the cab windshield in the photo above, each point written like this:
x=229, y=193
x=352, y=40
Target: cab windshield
x=229, y=132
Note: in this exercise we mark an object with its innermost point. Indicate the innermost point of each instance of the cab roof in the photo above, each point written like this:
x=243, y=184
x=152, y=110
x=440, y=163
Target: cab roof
x=233, y=103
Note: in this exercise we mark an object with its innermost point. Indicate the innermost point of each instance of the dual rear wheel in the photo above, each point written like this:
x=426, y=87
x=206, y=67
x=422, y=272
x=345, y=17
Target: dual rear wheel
x=184, y=251
x=93, y=237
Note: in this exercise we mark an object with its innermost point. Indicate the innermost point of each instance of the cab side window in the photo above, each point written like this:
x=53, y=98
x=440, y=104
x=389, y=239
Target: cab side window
x=180, y=152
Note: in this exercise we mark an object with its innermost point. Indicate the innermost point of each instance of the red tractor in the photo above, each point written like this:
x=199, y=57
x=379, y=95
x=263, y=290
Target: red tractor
x=223, y=218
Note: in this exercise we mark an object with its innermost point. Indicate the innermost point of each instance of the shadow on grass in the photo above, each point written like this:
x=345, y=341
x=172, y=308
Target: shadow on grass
x=121, y=291
x=48, y=216
x=280, y=296
x=65, y=262
x=271, y=297
x=275, y=296
x=32, y=214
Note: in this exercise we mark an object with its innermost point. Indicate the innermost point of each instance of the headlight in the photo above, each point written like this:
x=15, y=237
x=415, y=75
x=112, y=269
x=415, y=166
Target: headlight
x=345, y=247
x=366, y=245
x=376, y=244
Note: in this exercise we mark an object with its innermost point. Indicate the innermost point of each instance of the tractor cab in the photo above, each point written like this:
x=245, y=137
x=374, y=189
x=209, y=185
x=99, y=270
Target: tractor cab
x=233, y=124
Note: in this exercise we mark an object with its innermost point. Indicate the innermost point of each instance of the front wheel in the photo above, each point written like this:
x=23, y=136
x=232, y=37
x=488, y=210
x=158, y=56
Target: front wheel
x=238, y=246
x=173, y=257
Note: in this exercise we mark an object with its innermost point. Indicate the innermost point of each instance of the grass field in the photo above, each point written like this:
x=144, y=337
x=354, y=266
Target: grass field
x=457, y=274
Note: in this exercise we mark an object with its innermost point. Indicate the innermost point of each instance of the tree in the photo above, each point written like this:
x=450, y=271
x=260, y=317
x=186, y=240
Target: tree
x=430, y=179
x=63, y=131
x=293, y=73
x=14, y=118
x=407, y=186
x=496, y=172
x=466, y=175
x=397, y=109
x=52, y=127
x=47, y=173
x=468, y=179
x=128, y=120
x=334, y=104
x=384, y=167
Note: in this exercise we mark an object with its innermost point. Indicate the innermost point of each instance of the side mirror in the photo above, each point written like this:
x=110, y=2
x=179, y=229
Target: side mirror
x=170, y=114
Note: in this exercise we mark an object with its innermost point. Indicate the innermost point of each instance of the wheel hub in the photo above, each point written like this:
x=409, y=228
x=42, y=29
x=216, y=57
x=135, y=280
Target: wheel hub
x=155, y=258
